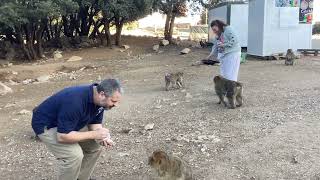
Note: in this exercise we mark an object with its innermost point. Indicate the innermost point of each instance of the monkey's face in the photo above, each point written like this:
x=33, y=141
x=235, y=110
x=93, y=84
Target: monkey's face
x=157, y=159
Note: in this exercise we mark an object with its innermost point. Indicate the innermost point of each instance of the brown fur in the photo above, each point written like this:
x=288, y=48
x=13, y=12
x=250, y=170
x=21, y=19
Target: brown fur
x=290, y=58
x=170, y=167
x=231, y=89
x=174, y=79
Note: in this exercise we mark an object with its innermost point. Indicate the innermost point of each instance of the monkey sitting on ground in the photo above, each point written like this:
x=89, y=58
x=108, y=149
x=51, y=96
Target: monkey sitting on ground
x=290, y=57
x=231, y=89
x=170, y=167
x=174, y=79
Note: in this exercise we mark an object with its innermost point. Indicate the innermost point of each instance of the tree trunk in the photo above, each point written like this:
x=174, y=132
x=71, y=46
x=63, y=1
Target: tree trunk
x=29, y=32
x=167, y=26
x=22, y=45
x=107, y=32
x=171, y=27
x=38, y=37
x=119, y=25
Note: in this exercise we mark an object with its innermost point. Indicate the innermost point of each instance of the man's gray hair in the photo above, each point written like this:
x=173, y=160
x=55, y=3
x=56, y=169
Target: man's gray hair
x=109, y=86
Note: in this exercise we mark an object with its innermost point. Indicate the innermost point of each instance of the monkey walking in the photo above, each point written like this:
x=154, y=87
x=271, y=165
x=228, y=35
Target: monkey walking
x=231, y=89
x=174, y=79
x=170, y=167
x=290, y=58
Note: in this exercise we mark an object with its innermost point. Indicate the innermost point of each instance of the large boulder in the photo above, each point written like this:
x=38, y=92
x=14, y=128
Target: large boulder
x=185, y=51
x=164, y=42
x=125, y=47
x=156, y=48
x=57, y=55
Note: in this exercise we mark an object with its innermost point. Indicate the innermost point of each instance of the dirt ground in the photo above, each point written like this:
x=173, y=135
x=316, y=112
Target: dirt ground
x=275, y=135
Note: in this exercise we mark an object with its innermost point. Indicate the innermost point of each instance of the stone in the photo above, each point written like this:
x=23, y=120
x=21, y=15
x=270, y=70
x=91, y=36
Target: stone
x=57, y=55
x=14, y=72
x=43, y=78
x=4, y=89
x=164, y=42
x=27, y=81
x=125, y=47
x=149, y=126
x=173, y=104
x=121, y=154
x=74, y=58
x=185, y=51
x=156, y=48
x=24, y=112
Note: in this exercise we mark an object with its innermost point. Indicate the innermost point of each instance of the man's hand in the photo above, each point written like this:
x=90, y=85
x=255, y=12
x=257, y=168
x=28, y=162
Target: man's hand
x=108, y=143
x=101, y=133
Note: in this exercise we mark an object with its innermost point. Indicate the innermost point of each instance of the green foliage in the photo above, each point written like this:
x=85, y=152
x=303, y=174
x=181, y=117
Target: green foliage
x=131, y=25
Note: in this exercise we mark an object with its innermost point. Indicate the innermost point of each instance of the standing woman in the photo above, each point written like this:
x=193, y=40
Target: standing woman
x=226, y=49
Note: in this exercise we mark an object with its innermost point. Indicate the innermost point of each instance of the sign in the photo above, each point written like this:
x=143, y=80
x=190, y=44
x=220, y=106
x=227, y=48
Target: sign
x=306, y=9
x=287, y=3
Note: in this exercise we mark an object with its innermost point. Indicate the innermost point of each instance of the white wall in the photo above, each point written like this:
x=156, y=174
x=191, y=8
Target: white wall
x=239, y=21
x=266, y=37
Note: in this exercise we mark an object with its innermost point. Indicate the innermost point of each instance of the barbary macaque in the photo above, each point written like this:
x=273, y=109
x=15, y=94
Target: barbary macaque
x=231, y=89
x=290, y=57
x=170, y=167
x=174, y=79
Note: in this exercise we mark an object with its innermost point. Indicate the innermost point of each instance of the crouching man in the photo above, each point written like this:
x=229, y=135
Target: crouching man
x=70, y=125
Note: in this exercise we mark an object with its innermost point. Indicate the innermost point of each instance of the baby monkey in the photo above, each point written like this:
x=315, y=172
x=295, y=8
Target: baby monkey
x=290, y=57
x=174, y=79
x=170, y=167
x=231, y=89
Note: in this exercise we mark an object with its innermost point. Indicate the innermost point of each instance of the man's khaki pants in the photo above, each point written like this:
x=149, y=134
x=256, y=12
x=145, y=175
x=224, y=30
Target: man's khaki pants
x=75, y=161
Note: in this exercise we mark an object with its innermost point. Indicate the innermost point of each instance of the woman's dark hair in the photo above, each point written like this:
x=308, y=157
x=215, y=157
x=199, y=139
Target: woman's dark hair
x=220, y=24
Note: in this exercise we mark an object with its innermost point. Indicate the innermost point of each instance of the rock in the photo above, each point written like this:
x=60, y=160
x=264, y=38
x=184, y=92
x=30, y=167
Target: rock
x=121, y=154
x=4, y=89
x=203, y=137
x=185, y=51
x=294, y=160
x=158, y=106
x=99, y=78
x=173, y=104
x=156, y=48
x=72, y=77
x=24, y=112
x=203, y=148
x=183, y=90
x=188, y=95
x=121, y=50
x=149, y=126
x=164, y=42
x=27, y=81
x=74, y=58
x=43, y=79
x=14, y=72
x=57, y=55
x=125, y=47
